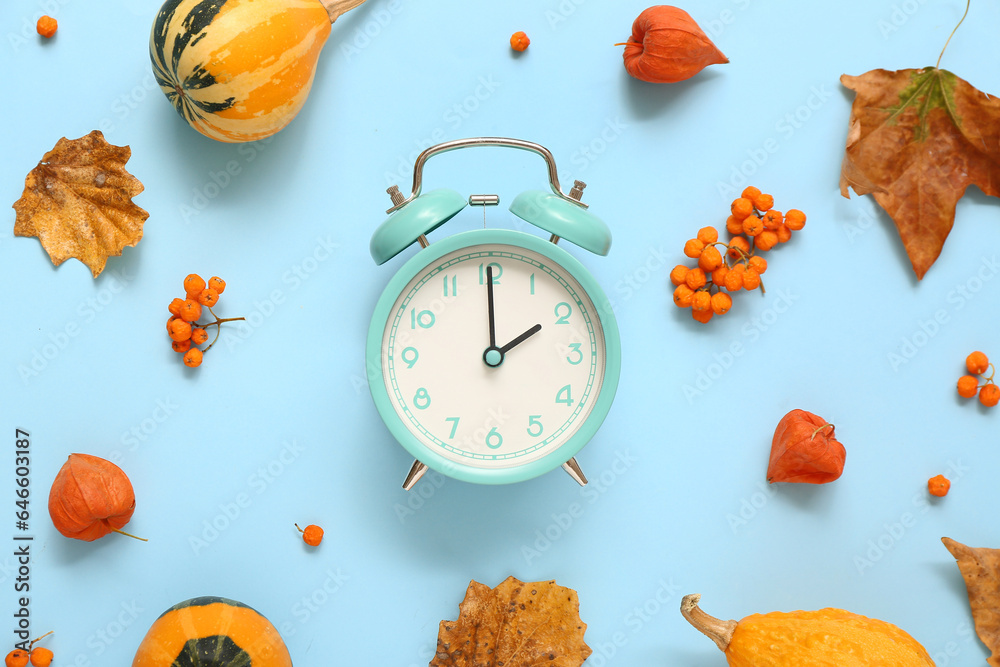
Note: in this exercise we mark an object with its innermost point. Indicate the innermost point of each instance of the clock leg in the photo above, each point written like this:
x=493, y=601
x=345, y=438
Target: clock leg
x=416, y=472
x=573, y=468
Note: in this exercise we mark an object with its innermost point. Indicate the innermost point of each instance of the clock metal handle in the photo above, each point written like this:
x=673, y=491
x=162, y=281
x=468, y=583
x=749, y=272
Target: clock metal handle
x=504, y=142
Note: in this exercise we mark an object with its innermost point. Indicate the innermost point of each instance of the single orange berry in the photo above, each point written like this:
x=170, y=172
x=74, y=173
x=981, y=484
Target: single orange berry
x=710, y=259
x=772, y=219
x=693, y=248
x=719, y=275
x=721, y=303
x=734, y=225
x=795, y=219
x=47, y=26
x=190, y=310
x=180, y=330
x=784, y=233
x=702, y=316
x=181, y=346
x=311, y=534
x=175, y=307
x=519, y=41
x=678, y=274
x=741, y=208
x=683, y=296
x=708, y=235
x=752, y=225
x=172, y=319
x=194, y=284
x=217, y=283
x=41, y=657
x=16, y=658
x=967, y=386
x=766, y=240
x=193, y=358
x=758, y=263
x=750, y=192
x=938, y=486
x=739, y=248
x=199, y=336
x=734, y=280
x=208, y=297
x=751, y=279
x=989, y=395
x=763, y=202
x=695, y=278
x=977, y=363
x=702, y=300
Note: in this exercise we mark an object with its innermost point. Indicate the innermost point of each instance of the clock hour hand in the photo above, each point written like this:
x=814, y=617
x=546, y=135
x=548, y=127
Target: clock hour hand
x=520, y=339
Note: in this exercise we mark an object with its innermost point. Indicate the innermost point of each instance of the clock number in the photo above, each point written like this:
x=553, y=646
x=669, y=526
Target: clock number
x=531, y=282
x=422, y=400
x=575, y=347
x=563, y=307
x=565, y=396
x=424, y=318
x=454, y=285
x=533, y=421
x=497, y=272
x=411, y=359
x=494, y=439
x=454, y=425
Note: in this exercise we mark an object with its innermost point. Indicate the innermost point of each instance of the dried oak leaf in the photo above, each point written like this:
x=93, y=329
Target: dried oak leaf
x=980, y=568
x=514, y=625
x=78, y=202
x=917, y=139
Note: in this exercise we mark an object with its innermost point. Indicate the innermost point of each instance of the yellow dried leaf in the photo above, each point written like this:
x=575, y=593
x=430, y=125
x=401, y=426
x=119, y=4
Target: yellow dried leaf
x=980, y=568
x=515, y=624
x=78, y=202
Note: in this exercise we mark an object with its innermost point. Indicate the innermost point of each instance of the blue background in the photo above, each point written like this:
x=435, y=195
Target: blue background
x=279, y=417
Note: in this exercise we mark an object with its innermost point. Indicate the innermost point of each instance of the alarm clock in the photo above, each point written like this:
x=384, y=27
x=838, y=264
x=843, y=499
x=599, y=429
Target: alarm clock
x=493, y=354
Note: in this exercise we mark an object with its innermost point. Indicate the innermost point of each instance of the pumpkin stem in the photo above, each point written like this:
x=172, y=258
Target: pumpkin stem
x=337, y=8
x=719, y=631
x=122, y=532
x=820, y=429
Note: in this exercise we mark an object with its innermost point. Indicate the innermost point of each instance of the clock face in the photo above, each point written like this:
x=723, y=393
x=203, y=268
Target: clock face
x=503, y=401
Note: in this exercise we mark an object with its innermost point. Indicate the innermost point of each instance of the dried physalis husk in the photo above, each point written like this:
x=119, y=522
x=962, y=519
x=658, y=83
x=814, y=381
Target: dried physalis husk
x=667, y=46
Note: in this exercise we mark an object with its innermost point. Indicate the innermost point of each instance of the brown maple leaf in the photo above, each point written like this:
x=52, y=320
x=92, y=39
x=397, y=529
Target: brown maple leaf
x=515, y=624
x=980, y=568
x=78, y=202
x=917, y=139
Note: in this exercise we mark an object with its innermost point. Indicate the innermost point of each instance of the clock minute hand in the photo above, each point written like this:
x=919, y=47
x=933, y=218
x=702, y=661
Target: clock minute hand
x=489, y=301
x=520, y=339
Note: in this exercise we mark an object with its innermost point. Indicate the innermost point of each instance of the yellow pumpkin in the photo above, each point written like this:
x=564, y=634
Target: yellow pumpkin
x=240, y=70
x=823, y=638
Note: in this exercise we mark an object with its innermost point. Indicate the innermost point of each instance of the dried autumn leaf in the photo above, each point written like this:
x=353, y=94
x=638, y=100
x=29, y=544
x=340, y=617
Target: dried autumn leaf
x=917, y=139
x=78, y=202
x=515, y=624
x=980, y=568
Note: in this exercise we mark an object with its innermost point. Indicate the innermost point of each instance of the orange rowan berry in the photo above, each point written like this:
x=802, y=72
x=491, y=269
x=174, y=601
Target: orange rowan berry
x=193, y=357
x=693, y=248
x=763, y=202
x=719, y=275
x=208, y=297
x=199, y=336
x=741, y=208
x=194, y=284
x=175, y=307
x=795, y=219
x=181, y=346
x=217, y=283
x=752, y=225
x=47, y=26
x=977, y=363
x=739, y=248
x=702, y=300
x=721, y=303
x=16, y=658
x=710, y=259
x=751, y=279
x=758, y=263
x=772, y=219
x=967, y=386
x=734, y=225
x=708, y=235
x=678, y=274
x=190, y=310
x=519, y=41
x=784, y=233
x=702, y=316
x=734, y=281
x=695, y=278
x=750, y=192
x=938, y=486
x=989, y=395
x=172, y=318
x=41, y=657
x=683, y=296
x=311, y=534
x=766, y=240
x=179, y=330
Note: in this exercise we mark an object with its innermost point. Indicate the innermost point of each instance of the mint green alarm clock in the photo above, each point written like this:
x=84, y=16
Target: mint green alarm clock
x=493, y=354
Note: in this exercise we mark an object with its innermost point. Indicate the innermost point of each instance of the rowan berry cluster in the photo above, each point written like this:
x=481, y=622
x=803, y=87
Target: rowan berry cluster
x=38, y=656
x=754, y=226
x=183, y=327
x=977, y=364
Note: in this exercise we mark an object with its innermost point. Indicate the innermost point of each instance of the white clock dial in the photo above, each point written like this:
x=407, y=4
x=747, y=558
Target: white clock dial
x=499, y=405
